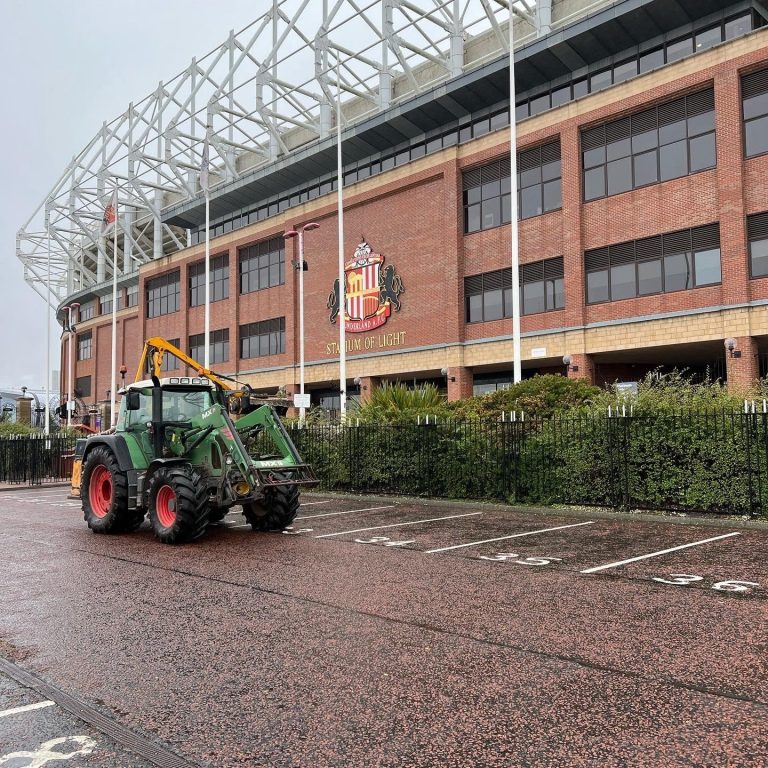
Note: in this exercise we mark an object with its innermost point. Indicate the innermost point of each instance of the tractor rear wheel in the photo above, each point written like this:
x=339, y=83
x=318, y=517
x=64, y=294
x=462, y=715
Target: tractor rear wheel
x=178, y=504
x=276, y=511
x=104, y=494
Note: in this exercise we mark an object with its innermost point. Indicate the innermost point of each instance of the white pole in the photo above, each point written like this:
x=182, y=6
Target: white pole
x=342, y=286
x=513, y=228
x=113, y=382
x=206, y=359
x=302, y=410
x=48, y=328
x=69, y=367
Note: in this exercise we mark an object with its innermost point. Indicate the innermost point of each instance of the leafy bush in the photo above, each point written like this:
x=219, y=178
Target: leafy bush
x=8, y=428
x=397, y=404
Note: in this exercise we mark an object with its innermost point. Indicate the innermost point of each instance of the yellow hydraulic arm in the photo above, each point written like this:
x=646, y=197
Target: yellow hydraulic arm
x=152, y=361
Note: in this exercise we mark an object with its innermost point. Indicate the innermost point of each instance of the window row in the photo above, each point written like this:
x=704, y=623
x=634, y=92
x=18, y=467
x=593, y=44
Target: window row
x=218, y=280
x=163, y=294
x=127, y=298
x=218, y=346
x=754, y=94
x=631, y=66
x=85, y=346
x=263, y=338
x=757, y=235
x=675, y=261
x=487, y=190
x=489, y=296
x=658, y=144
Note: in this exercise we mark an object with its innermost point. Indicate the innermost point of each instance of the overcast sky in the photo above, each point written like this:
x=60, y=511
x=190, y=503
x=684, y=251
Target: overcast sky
x=66, y=66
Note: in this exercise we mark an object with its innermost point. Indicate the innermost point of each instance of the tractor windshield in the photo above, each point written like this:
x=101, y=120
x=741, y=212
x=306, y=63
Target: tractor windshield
x=183, y=405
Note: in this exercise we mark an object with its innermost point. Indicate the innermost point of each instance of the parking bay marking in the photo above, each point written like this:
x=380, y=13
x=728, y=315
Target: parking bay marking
x=348, y=512
x=398, y=525
x=660, y=552
x=504, y=538
x=27, y=708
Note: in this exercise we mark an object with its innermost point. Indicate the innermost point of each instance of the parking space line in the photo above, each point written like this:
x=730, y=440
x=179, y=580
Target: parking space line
x=660, y=552
x=312, y=503
x=27, y=708
x=397, y=525
x=504, y=538
x=348, y=512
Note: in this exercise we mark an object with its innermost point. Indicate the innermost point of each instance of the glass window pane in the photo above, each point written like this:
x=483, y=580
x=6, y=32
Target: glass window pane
x=600, y=80
x=559, y=293
x=624, y=71
x=490, y=189
x=677, y=272
x=701, y=123
x=506, y=185
x=707, y=265
x=646, y=169
x=758, y=255
x=539, y=104
x=617, y=149
x=533, y=298
x=703, y=152
x=594, y=183
x=481, y=127
x=597, y=286
x=561, y=96
x=553, y=196
x=674, y=160
x=506, y=209
x=648, y=277
x=472, y=195
x=499, y=120
x=508, y=302
x=738, y=27
x=642, y=142
x=651, y=60
x=551, y=170
x=756, y=136
x=593, y=157
x=492, y=305
x=672, y=132
x=531, y=176
x=679, y=49
x=708, y=37
x=623, y=284
x=530, y=202
x=472, y=222
x=521, y=112
x=619, y=176
x=491, y=211
x=474, y=309
x=580, y=88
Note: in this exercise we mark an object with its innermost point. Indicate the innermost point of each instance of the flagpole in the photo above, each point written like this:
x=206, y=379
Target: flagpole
x=342, y=282
x=513, y=222
x=113, y=383
x=47, y=427
x=206, y=187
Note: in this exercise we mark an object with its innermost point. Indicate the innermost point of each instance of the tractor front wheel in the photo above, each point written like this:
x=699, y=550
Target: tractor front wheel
x=104, y=494
x=178, y=505
x=276, y=511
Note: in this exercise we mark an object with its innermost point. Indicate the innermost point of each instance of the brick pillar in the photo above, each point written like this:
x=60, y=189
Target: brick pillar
x=367, y=385
x=573, y=250
x=742, y=365
x=582, y=367
x=290, y=391
x=24, y=410
x=460, y=381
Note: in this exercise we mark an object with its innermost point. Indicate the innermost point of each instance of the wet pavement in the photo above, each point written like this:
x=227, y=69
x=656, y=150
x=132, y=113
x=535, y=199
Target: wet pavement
x=391, y=633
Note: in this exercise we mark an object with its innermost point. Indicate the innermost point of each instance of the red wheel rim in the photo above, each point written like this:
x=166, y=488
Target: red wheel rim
x=165, y=503
x=100, y=491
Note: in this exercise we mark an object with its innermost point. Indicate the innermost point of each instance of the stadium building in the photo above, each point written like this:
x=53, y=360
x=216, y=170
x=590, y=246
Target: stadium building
x=642, y=185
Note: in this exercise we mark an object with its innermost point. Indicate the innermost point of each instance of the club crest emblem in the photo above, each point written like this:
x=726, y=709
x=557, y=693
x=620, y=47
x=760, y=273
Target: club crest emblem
x=371, y=289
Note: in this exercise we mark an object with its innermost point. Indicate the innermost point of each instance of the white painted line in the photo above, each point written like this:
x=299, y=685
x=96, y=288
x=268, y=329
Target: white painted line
x=660, y=552
x=398, y=525
x=312, y=503
x=27, y=708
x=504, y=538
x=348, y=512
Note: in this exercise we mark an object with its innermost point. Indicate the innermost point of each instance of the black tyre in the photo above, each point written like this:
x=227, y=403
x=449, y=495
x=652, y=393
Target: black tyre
x=178, y=505
x=276, y=511
x=104, y=494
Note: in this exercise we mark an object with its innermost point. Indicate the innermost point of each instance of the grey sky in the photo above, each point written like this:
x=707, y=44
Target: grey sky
x=66, y=66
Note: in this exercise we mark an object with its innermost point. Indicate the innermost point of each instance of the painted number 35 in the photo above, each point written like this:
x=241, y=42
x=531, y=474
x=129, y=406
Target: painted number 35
x=511, y=557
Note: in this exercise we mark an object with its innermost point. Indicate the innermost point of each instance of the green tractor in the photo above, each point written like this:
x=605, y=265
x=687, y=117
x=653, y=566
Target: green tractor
x=177, y=455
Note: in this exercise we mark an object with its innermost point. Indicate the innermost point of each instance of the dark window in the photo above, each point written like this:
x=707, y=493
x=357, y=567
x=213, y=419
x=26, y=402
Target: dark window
x=487, y=190
x=262, y=339
x=754, y=94
x=651, y=60
x=83, y=386
x=163, y=294
x=489, y=296
x=662, y=264
x=87, y=311
x=658, y=144
x=757, y=234
x=219, y=280
x=262, y=265
x=131, y=295
x=707, y=38
x=105, y=304
x=219, y=346
x=679, y=49
x=171, y=362
x=84, y=345
x=738, y=26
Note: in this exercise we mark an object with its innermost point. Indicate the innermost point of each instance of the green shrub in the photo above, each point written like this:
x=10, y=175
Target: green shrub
x=397, y=404
x=8, y=428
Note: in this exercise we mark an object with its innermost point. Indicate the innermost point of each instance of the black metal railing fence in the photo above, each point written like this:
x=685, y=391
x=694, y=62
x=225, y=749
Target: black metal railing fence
x=35, y=459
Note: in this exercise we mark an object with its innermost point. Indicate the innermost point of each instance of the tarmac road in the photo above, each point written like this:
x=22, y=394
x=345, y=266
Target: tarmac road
x=383, y=633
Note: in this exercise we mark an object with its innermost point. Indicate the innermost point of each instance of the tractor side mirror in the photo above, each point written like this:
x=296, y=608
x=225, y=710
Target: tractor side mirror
x=132, y=400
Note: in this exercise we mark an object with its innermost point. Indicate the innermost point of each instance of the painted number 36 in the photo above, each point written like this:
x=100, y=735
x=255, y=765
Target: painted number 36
x=683, y=579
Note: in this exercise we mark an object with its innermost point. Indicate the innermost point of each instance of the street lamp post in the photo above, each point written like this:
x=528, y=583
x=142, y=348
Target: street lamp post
x=71, y=333
x=291, y=233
